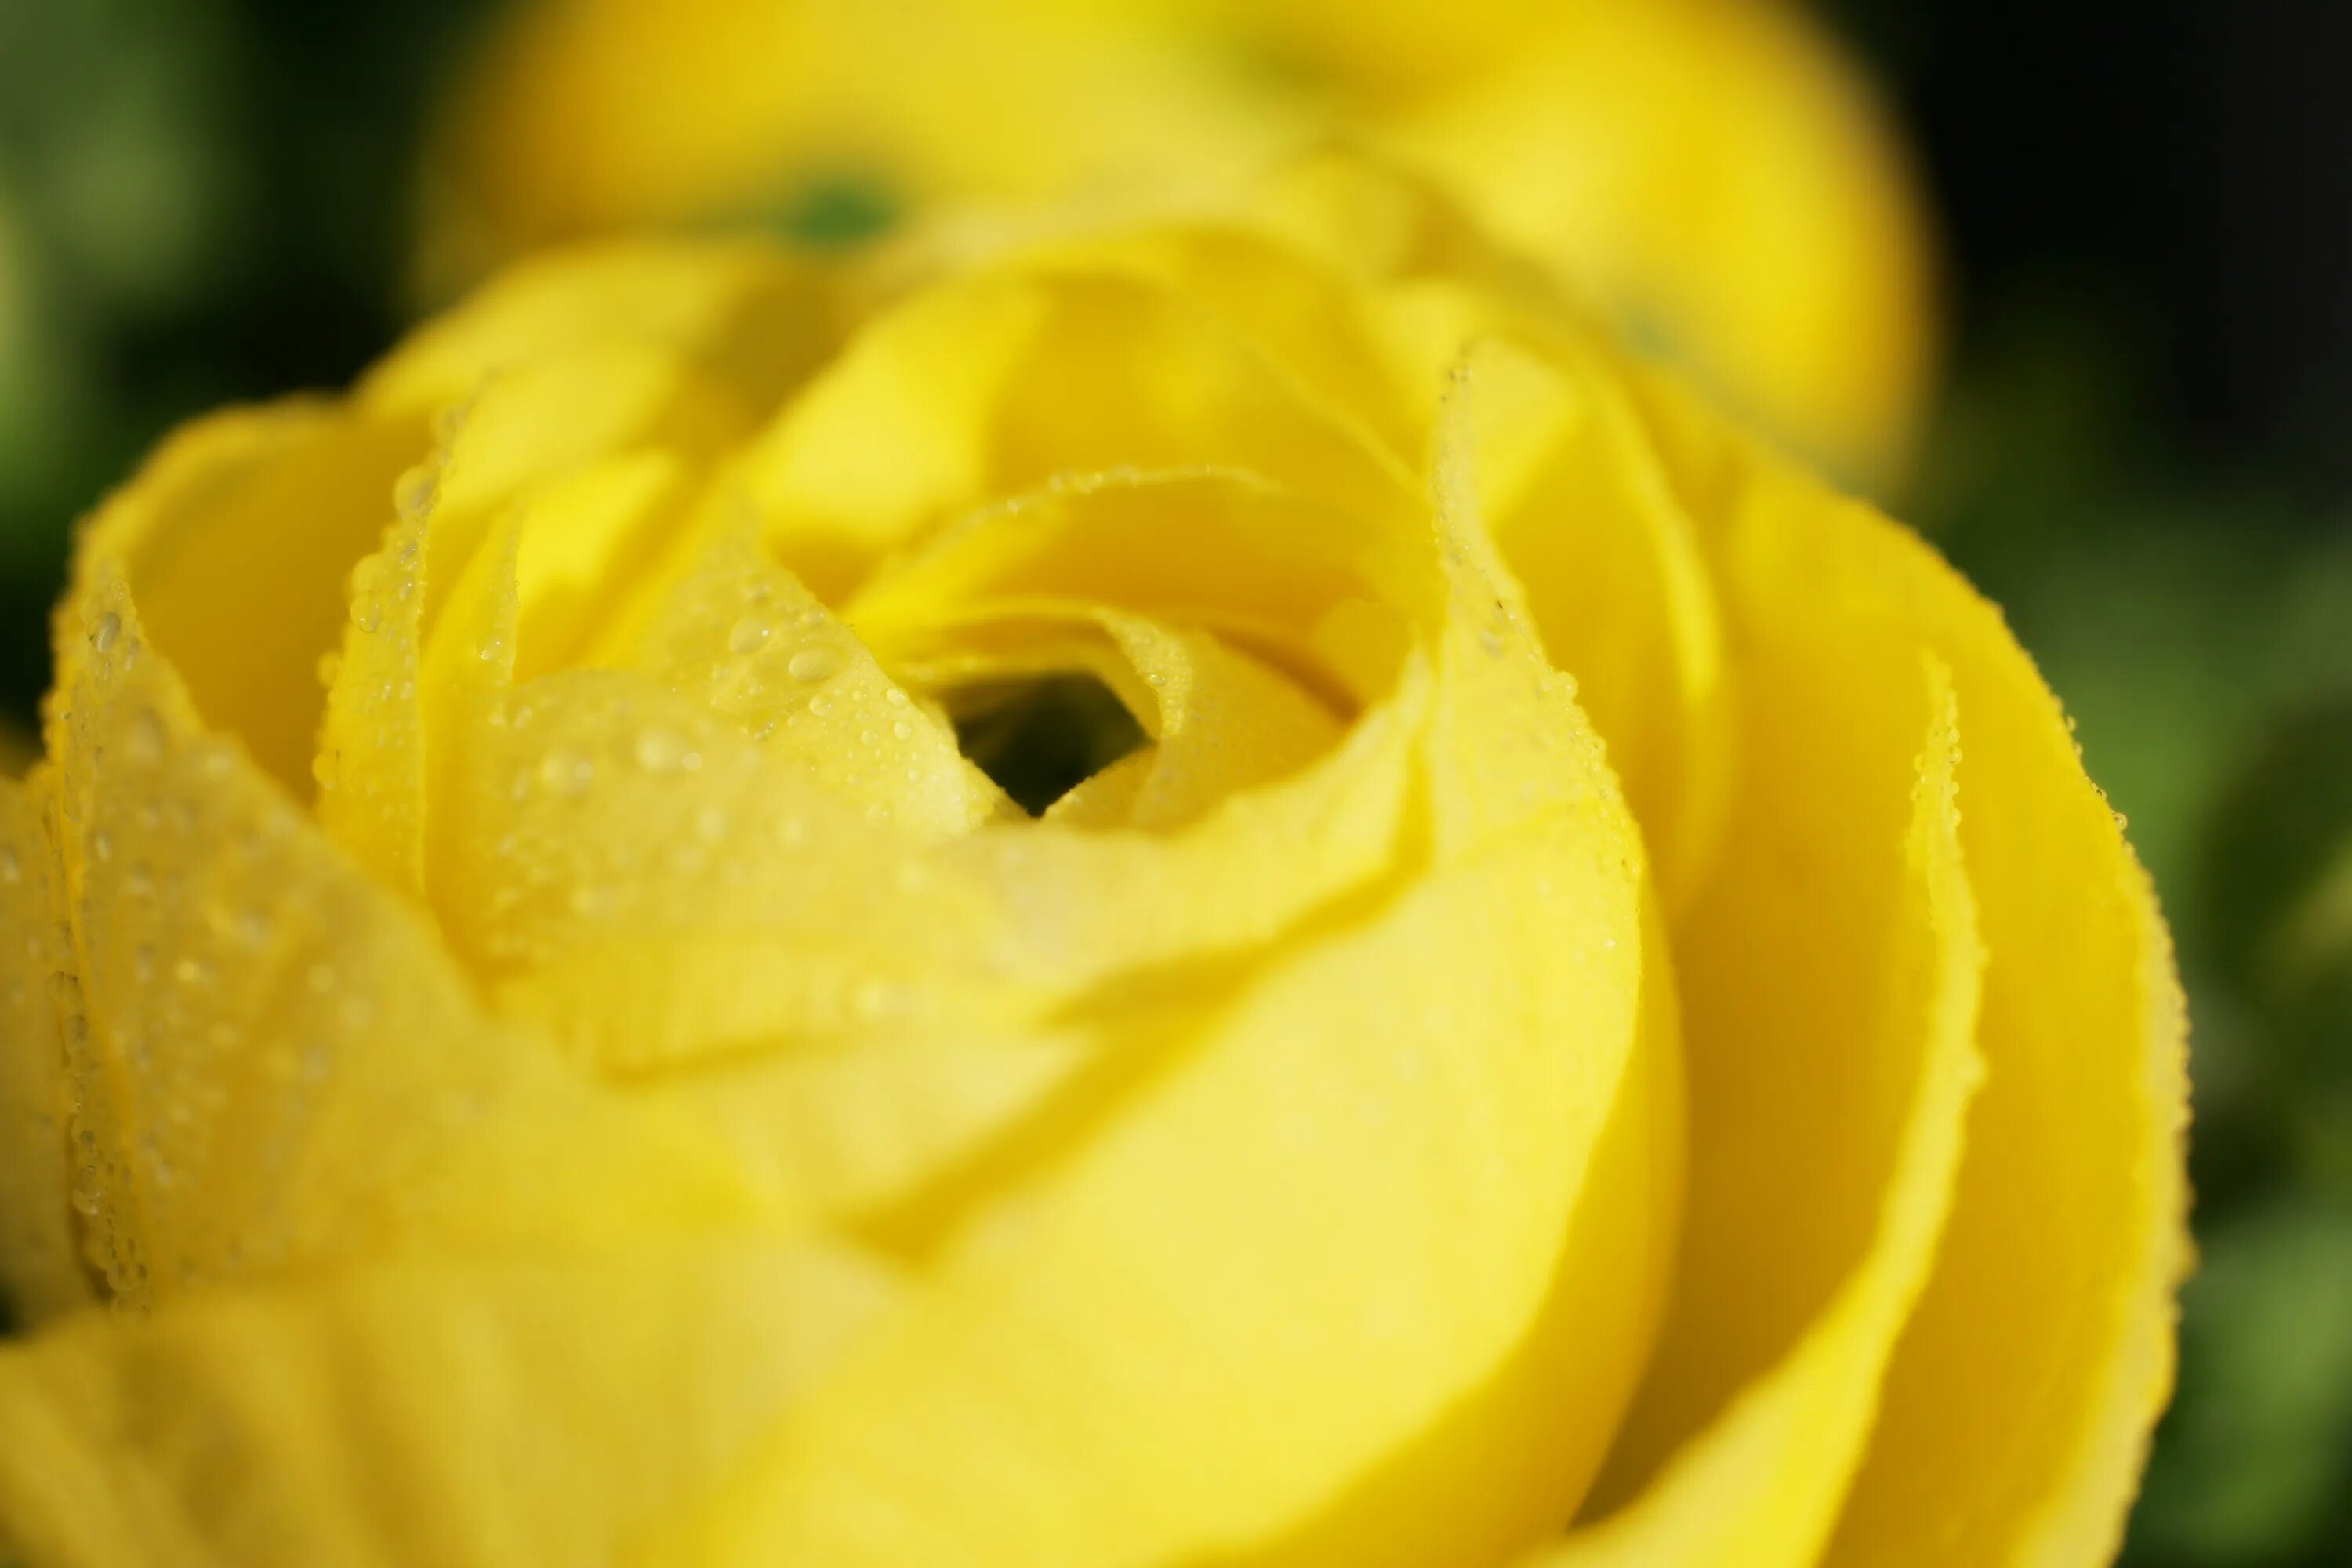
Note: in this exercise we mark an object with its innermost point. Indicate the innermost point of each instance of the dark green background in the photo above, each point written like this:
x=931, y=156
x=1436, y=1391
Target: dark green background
x=2144, y=455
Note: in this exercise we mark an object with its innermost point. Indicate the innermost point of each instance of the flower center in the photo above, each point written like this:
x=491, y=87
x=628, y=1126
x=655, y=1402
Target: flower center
x=1041, y=738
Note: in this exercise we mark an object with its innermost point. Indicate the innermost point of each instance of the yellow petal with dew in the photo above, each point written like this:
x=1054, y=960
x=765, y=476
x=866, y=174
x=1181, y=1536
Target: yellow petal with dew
x=2072, y=1192
x=277, y=1065
x=1616, y=585
x=371, y=762
x=648, y=881
x=742, y=637
x=1760, y=1485
x=531, y=424
x=237, y=537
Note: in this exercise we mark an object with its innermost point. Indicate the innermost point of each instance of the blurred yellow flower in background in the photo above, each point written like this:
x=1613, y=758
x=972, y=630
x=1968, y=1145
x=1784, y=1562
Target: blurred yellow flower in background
x=1710, y=172
x=1523, y=984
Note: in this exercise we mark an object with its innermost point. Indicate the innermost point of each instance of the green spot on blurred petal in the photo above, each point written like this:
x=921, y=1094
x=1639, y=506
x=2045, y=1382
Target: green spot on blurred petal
x=839, y=210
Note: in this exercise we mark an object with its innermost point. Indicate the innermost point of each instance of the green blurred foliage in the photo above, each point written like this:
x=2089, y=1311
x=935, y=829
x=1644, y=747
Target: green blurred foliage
x=201, y=202
x=2254, y=1459
x=207, y=200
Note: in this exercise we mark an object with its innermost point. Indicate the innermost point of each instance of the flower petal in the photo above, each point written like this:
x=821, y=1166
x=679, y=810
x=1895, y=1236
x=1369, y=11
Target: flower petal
x=988, y=386
x=40, y=1256
x=2071, y=1198
x=443, y=1412
x=277, y=1067
x=1761, y=1484
x=747, y=315
x=1156, y=1350
x=237, y=537
x=1615, y=582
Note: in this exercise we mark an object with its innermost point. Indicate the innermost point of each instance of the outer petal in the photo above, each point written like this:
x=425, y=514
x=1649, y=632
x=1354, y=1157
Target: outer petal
x=40, y=1256
x=1616, y=583
x=445, y=1414
x=1762, y=1485
x=2008, y=1434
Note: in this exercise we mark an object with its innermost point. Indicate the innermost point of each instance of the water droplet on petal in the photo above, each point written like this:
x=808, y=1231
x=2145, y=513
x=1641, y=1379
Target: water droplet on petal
x=814, y=663
x=748, y=634
x=102, y=636
x=593, y=903
x=874, y=1000
x=144, y=740
x=660, y=750
x=567, y=772
x=413, y=493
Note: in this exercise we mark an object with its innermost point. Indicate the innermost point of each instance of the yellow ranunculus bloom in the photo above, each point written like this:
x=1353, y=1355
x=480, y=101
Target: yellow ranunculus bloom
x=1709, y=171
x=1599, y=1022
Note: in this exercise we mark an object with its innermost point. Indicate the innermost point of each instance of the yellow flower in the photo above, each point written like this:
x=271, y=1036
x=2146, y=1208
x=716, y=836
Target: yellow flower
x=1598, y=1022
x=1709, y=171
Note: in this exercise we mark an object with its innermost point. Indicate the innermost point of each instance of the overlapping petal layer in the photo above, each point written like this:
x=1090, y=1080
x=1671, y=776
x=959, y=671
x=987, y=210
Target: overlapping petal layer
x=1597, y=991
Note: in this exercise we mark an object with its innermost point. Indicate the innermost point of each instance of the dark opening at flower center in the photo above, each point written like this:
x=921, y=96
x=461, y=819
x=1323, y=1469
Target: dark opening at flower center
x=1041, y=738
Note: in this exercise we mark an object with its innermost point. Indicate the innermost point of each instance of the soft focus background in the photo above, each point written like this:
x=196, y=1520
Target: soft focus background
x=2144, y=452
